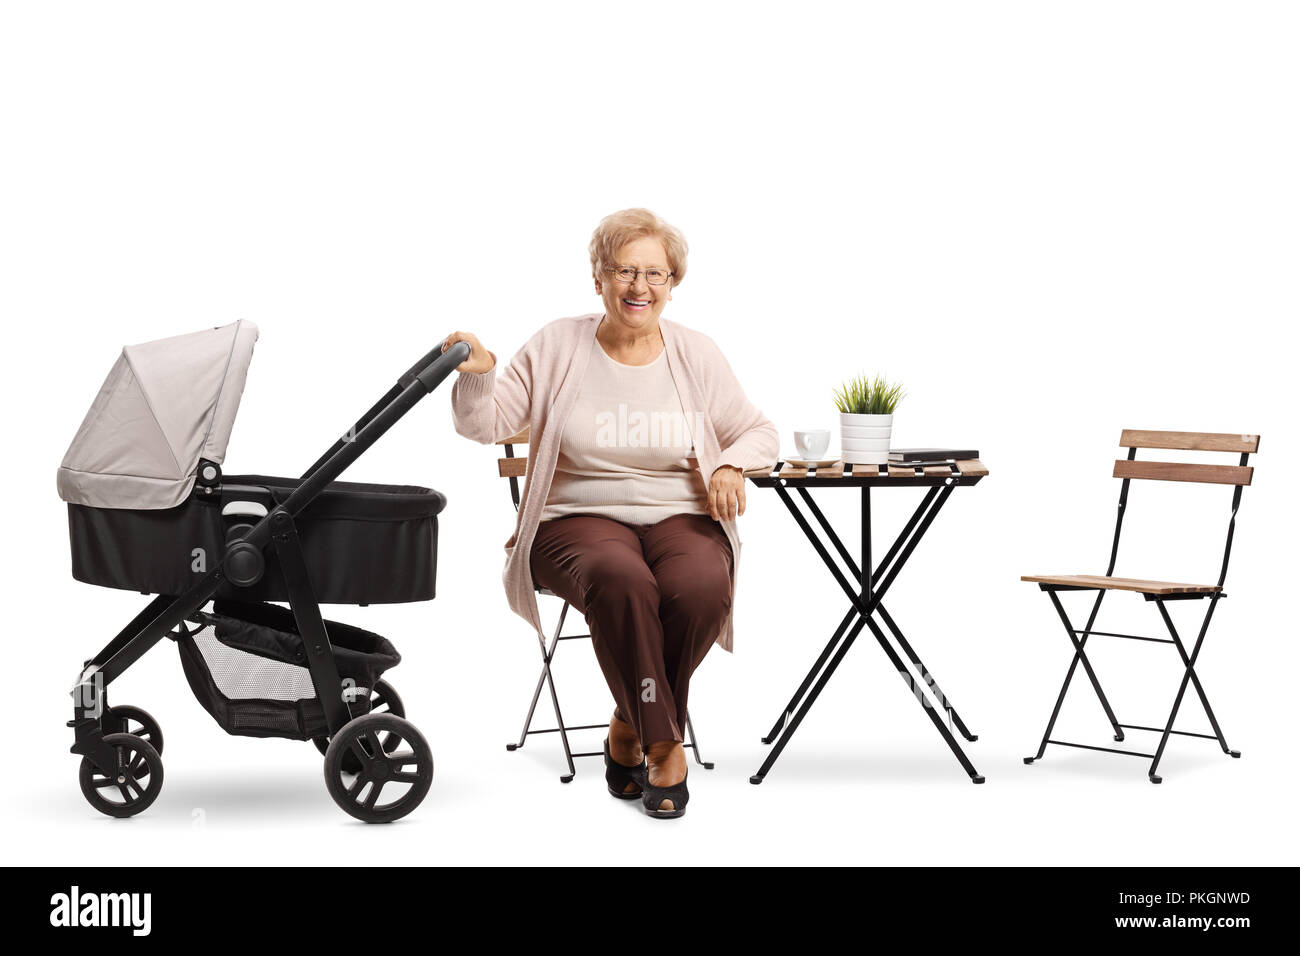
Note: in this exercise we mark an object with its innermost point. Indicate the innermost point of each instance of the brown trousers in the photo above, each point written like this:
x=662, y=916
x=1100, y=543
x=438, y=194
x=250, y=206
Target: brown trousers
x=655, y=598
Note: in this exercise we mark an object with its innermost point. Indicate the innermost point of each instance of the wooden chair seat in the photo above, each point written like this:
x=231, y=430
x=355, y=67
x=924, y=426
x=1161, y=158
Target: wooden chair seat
x=1105, y=583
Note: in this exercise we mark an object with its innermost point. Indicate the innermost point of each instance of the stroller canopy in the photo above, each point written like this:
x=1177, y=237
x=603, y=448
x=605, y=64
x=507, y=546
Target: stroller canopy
x=165, y=405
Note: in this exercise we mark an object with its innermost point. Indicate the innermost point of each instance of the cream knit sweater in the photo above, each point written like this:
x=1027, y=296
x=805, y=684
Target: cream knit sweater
x=625, y=446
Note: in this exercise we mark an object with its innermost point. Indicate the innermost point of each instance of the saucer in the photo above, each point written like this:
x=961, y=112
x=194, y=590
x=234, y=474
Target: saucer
x=810, y=462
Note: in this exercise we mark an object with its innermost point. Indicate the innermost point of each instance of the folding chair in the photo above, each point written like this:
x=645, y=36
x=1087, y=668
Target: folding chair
x=514, y=468
x=1156, y=592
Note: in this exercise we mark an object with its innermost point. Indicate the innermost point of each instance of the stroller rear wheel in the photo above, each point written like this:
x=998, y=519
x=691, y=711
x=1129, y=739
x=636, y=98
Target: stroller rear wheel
x=383, y=700
x=132, y=785
x=126, y=719
x=402, y=775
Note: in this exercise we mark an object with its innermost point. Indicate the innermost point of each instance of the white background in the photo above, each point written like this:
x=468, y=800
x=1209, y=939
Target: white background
x=1050, y=221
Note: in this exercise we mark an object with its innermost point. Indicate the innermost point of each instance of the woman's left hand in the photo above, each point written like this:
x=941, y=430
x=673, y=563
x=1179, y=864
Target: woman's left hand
x=726, y=493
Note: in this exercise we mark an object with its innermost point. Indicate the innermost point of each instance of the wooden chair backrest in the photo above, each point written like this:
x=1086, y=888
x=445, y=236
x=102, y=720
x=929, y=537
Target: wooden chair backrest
x=513, y=466
x=1239, y=474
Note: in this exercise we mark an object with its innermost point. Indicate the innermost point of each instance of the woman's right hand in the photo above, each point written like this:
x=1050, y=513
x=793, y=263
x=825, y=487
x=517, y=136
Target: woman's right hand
x=480, y=359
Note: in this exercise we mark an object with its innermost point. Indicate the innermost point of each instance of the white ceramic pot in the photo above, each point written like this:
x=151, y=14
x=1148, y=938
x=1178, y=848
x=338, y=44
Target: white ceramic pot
x=864, y=439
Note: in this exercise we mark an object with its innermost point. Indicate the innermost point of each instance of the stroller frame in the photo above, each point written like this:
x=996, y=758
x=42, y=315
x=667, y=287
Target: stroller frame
x=242, y=564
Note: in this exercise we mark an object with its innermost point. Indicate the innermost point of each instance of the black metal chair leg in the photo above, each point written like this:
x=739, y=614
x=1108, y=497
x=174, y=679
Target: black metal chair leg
x=1080, y=656
x=1214, y=723
x=1056, y=710
x=1087, y=665
x=564, y=731
x=532, y=707
x=547, y=679
x=694, y=745
x=1169, y=727
x=547, y=653
x=1196, y=680
x=1189, y=675
x=1069, y=674
x=555, y=700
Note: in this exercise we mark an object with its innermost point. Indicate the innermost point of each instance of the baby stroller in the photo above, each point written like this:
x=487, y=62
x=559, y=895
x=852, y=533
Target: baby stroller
x=150, y=510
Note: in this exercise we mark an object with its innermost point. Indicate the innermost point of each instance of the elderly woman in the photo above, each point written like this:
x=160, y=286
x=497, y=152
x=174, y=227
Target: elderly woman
x=639, y=437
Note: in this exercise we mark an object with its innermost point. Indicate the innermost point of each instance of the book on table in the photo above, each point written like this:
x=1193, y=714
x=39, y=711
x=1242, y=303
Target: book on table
x=930, y=456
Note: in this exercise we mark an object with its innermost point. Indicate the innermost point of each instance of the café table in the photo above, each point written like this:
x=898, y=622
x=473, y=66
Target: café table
x=866, y=591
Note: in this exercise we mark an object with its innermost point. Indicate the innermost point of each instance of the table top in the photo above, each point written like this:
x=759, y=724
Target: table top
x=854, y=476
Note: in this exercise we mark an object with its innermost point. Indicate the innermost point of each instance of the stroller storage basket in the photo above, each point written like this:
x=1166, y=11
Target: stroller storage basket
x=363, y=543
x=248, y=668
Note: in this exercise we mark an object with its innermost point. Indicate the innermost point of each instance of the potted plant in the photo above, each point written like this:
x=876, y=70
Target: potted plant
x=867, y=419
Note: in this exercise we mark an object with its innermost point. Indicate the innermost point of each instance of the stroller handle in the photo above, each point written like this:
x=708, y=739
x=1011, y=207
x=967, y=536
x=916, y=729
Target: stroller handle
x=422, y=378
x=428, y=372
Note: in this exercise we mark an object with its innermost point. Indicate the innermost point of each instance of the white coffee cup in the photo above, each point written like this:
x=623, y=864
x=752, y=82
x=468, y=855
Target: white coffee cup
x=811, y=445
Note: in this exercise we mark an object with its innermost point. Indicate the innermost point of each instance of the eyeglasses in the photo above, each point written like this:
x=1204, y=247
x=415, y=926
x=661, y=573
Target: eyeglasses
x=627, y=274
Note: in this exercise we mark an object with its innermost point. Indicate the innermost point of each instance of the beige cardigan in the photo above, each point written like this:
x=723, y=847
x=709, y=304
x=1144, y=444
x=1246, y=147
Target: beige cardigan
x=538, y=390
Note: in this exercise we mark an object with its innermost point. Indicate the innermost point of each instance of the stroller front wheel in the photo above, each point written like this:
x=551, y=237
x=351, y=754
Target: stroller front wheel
x=126, y=719
x=393, y=760
x=131, y=785
x=383, y=700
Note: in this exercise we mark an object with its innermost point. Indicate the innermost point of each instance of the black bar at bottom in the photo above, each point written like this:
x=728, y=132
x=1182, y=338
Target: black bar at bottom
x=1090, y=903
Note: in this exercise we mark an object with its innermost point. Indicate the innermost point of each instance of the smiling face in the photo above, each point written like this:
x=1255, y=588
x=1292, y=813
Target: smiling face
x=636, y=305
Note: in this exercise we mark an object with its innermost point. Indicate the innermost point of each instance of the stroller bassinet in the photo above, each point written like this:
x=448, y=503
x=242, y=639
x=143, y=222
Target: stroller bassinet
x=364, y=543
x=149, y=510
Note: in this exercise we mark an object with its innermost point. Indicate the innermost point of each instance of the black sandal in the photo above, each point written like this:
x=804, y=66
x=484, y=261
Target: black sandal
x=618, y=776
x=653, y=796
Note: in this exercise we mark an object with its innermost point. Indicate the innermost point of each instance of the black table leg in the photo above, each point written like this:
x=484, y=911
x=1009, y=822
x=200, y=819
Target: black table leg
x=926, y=705
x=921, y=510
x=926, y=676
x=866, y=601
x=812, y=675
x=802, y=712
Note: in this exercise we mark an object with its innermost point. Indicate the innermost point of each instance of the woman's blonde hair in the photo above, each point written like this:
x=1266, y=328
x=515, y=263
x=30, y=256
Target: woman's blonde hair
x=627, y=225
